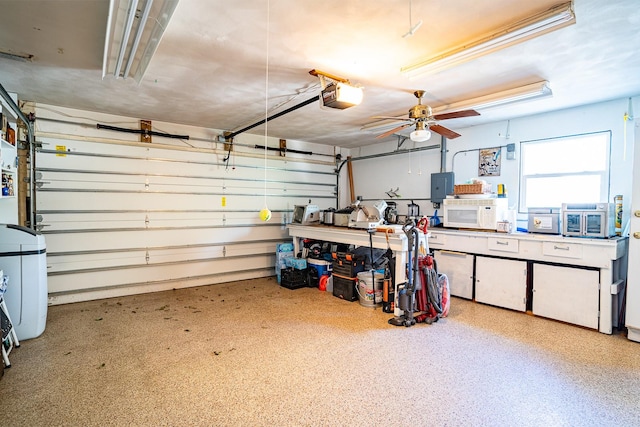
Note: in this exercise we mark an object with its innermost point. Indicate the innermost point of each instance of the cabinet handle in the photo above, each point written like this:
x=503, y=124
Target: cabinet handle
x=565, y=248
x=452, y=253
x=502, y=243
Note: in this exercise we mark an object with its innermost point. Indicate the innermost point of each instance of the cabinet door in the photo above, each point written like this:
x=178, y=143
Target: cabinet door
x=565, y=293
x=458, y=267
x=501, y=282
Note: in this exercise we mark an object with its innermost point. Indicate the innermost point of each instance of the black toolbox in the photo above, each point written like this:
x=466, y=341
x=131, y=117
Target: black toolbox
x=346, y=267
x=346, y=264
x=344, y=288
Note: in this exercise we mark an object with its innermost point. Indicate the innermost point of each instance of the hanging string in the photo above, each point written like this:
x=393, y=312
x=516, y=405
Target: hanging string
x=265, y=213
x=266, y=107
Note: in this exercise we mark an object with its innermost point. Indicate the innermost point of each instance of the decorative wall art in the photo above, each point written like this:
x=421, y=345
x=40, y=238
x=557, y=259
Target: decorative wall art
x=489, y=162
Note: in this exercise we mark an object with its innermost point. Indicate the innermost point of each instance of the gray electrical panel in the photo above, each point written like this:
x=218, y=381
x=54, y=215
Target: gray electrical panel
x=441, y=185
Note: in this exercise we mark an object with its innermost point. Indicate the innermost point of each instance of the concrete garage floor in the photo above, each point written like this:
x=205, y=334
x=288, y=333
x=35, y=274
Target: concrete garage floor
x=253, y=353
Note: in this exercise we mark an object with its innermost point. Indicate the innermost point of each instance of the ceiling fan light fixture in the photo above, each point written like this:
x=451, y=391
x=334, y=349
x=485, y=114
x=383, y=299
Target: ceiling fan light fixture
x=557, y=17
x=420, y=135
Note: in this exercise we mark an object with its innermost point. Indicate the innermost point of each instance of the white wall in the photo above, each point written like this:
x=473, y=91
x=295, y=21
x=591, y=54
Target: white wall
x=373, y=177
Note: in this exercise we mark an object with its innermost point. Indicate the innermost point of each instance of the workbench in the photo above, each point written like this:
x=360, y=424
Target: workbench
x=394, y=239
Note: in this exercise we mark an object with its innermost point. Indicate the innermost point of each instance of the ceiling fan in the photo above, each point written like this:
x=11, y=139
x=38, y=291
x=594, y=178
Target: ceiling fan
x=425, y=121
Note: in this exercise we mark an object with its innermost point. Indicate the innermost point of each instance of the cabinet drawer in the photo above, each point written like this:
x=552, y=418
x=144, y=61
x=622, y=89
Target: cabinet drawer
x=558, y=249
x=502, y=245
x=437, y=240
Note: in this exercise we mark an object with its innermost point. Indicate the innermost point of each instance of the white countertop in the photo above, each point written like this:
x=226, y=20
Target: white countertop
x=527, y=236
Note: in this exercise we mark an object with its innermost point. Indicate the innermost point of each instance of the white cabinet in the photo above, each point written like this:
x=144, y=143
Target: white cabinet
x=565, y=293
x=458, y=267
x=501, y=282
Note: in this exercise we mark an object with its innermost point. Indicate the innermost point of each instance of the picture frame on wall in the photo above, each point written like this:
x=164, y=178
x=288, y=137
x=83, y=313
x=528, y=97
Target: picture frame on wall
x=489, y=160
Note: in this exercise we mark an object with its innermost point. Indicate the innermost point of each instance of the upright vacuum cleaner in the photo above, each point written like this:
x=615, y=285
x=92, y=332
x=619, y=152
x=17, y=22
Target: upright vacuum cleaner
x=407, y=291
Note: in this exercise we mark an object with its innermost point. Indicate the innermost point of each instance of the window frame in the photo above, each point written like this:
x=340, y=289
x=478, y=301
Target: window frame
x=605, y=174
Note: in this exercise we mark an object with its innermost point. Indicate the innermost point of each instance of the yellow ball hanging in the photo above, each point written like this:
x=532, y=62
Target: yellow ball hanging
x=265, y=214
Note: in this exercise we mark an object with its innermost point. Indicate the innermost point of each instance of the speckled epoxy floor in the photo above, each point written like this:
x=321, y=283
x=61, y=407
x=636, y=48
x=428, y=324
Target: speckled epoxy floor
x=252, y=353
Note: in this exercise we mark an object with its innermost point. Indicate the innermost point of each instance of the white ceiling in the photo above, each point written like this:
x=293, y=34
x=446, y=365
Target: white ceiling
x=210, y=68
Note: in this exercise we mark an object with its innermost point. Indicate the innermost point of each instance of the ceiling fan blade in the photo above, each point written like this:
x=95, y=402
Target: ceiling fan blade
x=394, y=130
x=456, y=114
x=404, y=119
x=447, y=133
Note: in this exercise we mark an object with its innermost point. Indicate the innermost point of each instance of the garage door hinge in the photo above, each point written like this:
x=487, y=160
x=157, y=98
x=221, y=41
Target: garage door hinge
x=224, y=219
x=146, y=221
x=146, y=128
x=146, y=258
x=224, y=251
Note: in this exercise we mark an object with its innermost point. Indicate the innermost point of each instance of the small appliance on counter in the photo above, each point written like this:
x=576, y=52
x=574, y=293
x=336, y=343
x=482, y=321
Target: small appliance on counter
x=481, y=212
x=504, y=227
x=391, y=213
x=327, y=216
x=413, y=210
x=306, y=214
x=544, y=220
x=368, y=216
x=588, y=220
x=341, y=216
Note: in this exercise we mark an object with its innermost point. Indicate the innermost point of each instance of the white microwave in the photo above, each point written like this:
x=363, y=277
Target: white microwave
x=480, y=213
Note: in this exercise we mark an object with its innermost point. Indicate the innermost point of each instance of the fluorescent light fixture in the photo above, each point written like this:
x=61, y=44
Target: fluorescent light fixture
x=552, y=19
x=134, y=31
x=524, y=93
